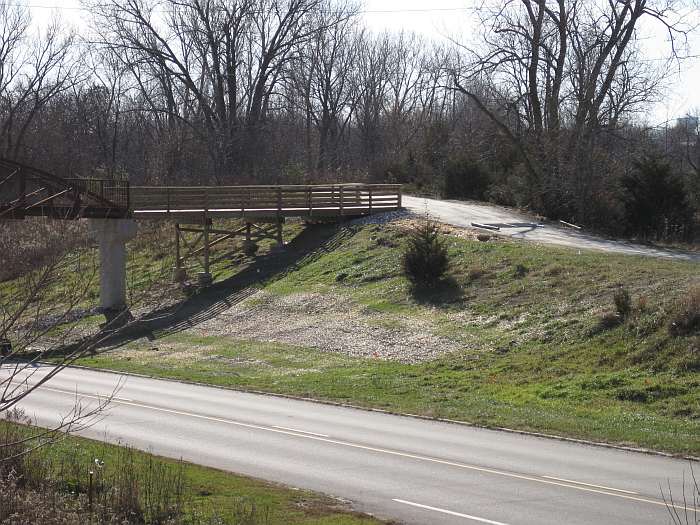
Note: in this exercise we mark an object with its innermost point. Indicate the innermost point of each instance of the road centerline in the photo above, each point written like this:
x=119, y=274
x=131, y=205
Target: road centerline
x=577, y=486
x=300, y=431
x=590, y=485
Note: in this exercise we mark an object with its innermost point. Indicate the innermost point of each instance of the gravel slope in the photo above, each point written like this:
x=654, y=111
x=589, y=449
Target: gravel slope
x=329, y=323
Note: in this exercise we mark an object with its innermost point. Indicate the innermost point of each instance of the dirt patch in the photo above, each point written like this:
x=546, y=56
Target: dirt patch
x=326, y=322
x=472, y=234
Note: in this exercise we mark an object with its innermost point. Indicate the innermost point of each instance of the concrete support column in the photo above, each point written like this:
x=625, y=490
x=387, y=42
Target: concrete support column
x=112, y=235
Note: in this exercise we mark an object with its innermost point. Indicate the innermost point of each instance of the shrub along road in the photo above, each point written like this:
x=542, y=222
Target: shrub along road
x=415, y=470
x=520, y=226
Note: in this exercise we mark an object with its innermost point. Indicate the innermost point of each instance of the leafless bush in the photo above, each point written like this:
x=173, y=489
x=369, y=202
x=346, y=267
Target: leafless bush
x=19, y=506
x=40, y=483
x=36, y=243
x=607, y=321
x=685, y=319
x=623, y=303
x=684, y=509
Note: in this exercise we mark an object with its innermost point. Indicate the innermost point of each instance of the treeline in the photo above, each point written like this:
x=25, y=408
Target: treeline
x=543, y=110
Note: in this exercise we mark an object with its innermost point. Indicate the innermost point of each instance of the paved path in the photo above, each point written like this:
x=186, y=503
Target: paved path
x=520, y=226
x=416, y=471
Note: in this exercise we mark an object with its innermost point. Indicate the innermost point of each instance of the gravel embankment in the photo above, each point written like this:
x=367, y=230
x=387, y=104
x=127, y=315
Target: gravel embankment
x=329, y=323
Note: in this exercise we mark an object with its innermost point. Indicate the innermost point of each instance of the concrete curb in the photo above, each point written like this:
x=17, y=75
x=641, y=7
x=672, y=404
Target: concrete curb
x=542, y=435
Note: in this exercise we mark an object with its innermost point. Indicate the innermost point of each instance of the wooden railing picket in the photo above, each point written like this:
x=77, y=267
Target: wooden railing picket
x=266, y=201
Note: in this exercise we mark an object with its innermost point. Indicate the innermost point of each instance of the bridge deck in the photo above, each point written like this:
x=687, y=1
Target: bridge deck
x=183, y=203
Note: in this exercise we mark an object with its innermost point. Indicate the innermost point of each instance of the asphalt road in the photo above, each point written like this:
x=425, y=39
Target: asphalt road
x=413, y=470
x=520, y=226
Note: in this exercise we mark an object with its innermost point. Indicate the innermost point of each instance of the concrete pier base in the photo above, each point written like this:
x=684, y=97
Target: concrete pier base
x=250, y=248
x=204, y=279
x=112, y=235
x=179, y=274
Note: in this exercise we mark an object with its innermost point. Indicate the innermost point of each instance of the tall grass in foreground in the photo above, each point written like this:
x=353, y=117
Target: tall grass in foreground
x=59, y=481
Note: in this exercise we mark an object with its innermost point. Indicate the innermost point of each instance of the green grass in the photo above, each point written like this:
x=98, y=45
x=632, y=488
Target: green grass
x=527, y=319
x=150, y=259
x=531, y=390
x=233, y=498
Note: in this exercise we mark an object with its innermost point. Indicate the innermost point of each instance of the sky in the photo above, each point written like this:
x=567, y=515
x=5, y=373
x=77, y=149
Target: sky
x=440, y=19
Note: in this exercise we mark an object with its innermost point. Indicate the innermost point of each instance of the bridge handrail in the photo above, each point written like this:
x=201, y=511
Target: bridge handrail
x=347, y=196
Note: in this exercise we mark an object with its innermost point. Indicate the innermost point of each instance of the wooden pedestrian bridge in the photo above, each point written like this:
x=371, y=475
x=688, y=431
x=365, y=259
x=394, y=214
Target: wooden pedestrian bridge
x=112, y=205
x=27, y=191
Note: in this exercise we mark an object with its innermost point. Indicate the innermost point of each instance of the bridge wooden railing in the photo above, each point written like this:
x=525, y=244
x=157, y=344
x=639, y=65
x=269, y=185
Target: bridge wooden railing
x=26, y=191
x=280, y=201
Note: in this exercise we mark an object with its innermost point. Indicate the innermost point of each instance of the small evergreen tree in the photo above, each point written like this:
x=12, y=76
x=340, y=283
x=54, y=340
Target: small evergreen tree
x=655, y=201
x=466, y=179
x=425, y=259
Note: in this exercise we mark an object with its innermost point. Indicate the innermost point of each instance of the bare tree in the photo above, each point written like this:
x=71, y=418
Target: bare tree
x=323, y=77
x=373, y=81
x=214, y=65
x=690, y=140
x=558, y=73
x=34, y=69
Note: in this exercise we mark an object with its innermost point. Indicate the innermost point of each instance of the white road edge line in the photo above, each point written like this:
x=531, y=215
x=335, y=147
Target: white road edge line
x=590, y=485
x=450, y=512
x=302, y=431
x=390, y=452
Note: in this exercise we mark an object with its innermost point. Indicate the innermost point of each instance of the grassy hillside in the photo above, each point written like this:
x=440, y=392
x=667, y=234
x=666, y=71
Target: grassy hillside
x=518, y=337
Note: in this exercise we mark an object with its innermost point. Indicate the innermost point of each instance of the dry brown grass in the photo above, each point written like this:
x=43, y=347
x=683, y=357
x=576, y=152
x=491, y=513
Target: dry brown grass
x=32, y=243
x=685, y=320
x=38, y=486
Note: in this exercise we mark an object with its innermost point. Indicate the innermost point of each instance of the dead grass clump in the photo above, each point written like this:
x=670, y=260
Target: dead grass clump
x=642, y=303
x=685, y=319
x=475, y=273
x=520, y=271
x=623, y=303
x=50, y=481
x=607, y=321
x=19, y=505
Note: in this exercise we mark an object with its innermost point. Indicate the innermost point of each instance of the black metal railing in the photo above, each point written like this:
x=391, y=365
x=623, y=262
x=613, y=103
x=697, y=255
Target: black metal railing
x=25, y=190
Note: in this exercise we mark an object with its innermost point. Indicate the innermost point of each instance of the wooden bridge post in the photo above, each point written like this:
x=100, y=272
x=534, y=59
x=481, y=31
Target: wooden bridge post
x=204, y=278
x=177, y=246
x=206, y=245
x=279, y=236
x=179, y=274
x=22, y=189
